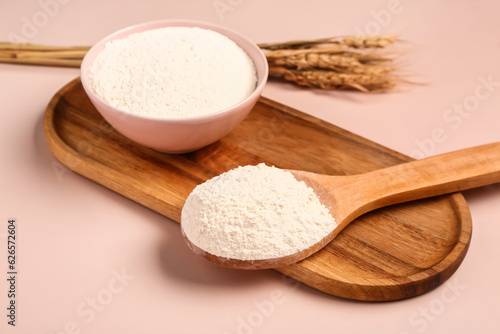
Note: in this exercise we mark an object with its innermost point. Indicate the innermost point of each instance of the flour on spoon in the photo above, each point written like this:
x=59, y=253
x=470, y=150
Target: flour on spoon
x=255, y=213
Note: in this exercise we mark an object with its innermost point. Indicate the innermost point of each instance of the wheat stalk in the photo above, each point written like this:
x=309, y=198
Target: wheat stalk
x=349, y=41
x=33, y=54
x=333, y=80
x=339, y=62
x=350, y=62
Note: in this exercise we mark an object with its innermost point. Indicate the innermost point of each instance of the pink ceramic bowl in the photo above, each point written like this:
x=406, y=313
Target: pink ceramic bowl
x=177, y=135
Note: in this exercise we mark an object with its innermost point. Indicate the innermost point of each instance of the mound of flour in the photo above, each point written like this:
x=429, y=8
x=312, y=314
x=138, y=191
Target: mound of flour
x=255, y=213
x=173, y=72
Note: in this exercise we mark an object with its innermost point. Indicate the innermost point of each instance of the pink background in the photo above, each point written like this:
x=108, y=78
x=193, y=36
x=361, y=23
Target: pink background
x=92, y=261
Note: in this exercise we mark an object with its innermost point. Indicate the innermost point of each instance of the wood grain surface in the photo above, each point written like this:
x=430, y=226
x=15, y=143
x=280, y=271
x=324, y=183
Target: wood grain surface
x=392, y=253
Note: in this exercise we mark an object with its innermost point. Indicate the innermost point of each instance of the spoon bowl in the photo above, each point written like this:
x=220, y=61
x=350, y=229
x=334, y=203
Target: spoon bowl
x=348, y=197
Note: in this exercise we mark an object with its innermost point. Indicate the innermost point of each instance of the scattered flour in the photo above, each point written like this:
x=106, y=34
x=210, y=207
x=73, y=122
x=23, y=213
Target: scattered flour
x=173, y=72
x=254, y=213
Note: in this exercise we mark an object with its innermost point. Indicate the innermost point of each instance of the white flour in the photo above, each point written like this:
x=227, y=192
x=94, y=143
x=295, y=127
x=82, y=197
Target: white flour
x=173, y=72
x=255, y=213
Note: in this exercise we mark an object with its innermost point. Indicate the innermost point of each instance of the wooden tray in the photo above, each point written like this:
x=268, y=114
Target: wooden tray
x=392, y=253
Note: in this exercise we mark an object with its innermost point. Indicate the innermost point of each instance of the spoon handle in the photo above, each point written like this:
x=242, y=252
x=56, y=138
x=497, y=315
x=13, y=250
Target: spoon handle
x=441, y=174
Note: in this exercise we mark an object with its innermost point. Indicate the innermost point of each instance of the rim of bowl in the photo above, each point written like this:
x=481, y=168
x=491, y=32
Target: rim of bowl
x=158, y=24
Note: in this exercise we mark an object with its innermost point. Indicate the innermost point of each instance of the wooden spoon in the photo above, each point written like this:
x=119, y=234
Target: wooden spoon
x=348, y=197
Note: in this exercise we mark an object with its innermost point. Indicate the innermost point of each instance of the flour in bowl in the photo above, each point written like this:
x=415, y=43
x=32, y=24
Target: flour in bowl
x=255, y=213
x=173, y=72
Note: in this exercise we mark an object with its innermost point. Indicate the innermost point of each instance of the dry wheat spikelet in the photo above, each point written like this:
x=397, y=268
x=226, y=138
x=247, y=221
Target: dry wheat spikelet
x=333, y=80
x=342, y=63
x=369, y=41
